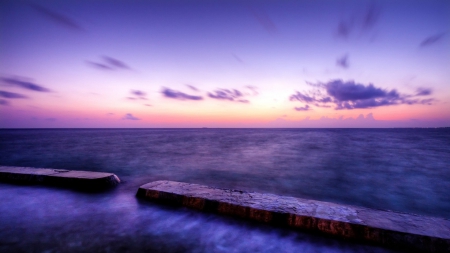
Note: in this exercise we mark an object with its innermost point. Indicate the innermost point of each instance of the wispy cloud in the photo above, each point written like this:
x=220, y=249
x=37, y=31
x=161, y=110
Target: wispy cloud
x=264, y=20
x=7, y=94
x=351, y=95
x=115, y=63
x=237, y=58
x=226, y=94
x=130, y=116
x=99, y=65
x=137, y=94
x=4, y=102
x=169, y=93
x=304, y=108
x=359, y=22
x=254, y=89
x=25, y=84
x=57, y=17
x=423, y=91
x=108, y=63
x=343, y=62
x=432, y=39
x=192, y=87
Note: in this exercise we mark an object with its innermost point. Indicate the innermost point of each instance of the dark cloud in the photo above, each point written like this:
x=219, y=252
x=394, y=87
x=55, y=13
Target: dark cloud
x=108, y=63
x=57, y=17
x=371, y=16
x=99, y=65
x=351, y=95
x=423, y=92
x=432, y=39
x=226, y=94
x=344, y=28
x=25, y=84
x=129, y=116
x=7, y=94
x=359, y=22
x=4, y=102
x=264, y=20
x=351, y=91
x=115, y=63
x=169, y=93
x=343, y=62
x=304, y=108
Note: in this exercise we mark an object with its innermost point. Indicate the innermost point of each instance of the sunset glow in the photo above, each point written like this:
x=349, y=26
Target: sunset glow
x=148, y=64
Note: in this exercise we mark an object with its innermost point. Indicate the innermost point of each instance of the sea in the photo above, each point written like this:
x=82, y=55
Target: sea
x=404, y=170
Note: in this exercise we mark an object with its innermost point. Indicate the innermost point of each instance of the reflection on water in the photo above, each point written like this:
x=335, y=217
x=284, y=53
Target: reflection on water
x=398, y=169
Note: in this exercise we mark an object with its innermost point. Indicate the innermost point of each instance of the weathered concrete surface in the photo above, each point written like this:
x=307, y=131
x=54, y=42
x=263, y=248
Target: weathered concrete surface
x=87, y=180
x=392, y=229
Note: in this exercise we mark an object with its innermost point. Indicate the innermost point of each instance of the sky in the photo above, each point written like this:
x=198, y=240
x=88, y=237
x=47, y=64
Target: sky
x=183, y=64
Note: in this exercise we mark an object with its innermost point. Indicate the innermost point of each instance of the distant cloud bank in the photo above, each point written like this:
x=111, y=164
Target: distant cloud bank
x=130, y=116
x=350, y=95
x=226, y=94
x=25, y=84
x=174, y=94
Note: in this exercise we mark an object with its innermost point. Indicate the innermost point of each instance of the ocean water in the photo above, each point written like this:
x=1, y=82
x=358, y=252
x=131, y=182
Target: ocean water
x=405, y=170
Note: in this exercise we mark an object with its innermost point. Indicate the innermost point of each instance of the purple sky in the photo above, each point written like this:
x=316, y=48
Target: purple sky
x=224, y=63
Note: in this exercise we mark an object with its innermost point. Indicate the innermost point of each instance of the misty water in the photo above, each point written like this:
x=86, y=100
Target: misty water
x=404, y=170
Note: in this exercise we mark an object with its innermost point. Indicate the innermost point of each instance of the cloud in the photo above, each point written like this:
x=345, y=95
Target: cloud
x=7, y=94
x=129, y=116
x=304, y=108
x=351, y=95
x=169, y=93
x=115, y=63
x=147, y=104
x=264, y=20
x=51, y=119
x=359, y=22
x=25, y=84
x=431, y=40
x=137, y=94
x=344, y=28
x=110, y=114
x=57, y=17
x=423, y=92
x=192, y=87
x=343, y=62
x=237, y=58
x=226, y=94
x=4, y=102
x=254, y=89
x=109, y=63
x=99, y=65
x=371, y=16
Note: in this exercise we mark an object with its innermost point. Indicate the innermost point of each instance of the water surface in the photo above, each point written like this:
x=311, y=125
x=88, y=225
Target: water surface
x=397, y=169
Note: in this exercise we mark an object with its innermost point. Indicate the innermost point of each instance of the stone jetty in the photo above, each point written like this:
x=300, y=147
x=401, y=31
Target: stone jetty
x=84, y=180
x=382, y=227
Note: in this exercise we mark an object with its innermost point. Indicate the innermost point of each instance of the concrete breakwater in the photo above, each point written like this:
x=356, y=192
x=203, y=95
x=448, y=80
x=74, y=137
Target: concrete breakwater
x=84, y=180
x=387, y=228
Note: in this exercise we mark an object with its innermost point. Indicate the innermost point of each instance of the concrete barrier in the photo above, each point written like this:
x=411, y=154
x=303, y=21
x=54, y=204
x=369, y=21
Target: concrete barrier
x=387, y=228
x=85, y=180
